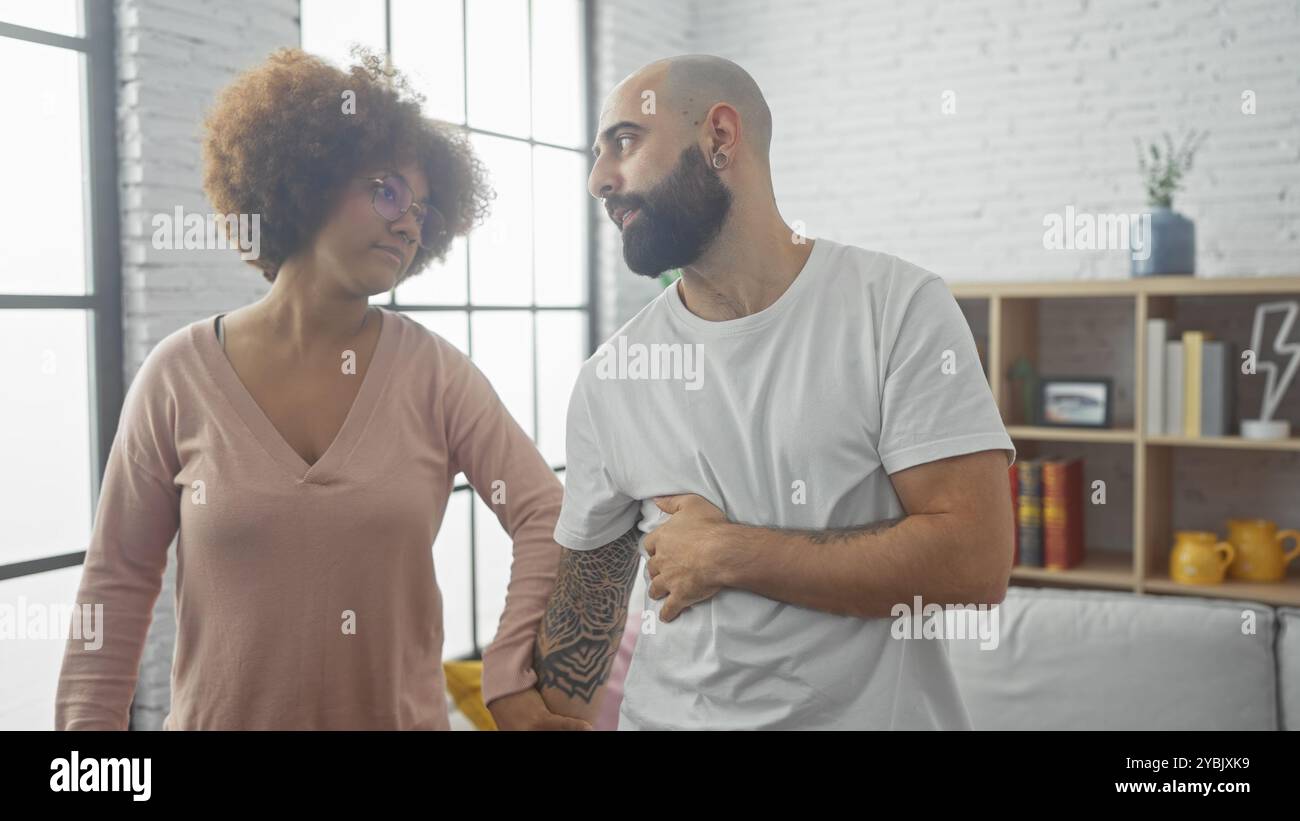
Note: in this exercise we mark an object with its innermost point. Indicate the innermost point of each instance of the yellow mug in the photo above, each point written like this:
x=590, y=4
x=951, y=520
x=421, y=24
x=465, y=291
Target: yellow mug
x=1199, y=557
x=1260, y=555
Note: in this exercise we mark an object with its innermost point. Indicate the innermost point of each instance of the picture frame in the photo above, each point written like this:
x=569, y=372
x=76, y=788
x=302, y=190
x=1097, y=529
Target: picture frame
x=1075, y=401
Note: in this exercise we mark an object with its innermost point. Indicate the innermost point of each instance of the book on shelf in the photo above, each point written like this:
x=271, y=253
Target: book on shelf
x=1062, y=481
x=1048, y=495
x=1029, y=512
x=1218, y=388
x=1193, y=353
x=1157, y=337
x=1173, y=387
x=1195, y=383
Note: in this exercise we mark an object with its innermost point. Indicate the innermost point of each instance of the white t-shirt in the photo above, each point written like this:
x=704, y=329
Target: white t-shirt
x=791, y=417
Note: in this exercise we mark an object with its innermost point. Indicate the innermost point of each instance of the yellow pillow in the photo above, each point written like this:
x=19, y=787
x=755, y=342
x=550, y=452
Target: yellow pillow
x=465, y=686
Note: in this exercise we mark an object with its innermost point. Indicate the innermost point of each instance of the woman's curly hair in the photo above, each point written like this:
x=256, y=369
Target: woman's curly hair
x=282, y=143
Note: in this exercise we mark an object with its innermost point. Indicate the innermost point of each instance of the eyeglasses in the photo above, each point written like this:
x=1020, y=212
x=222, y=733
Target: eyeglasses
x=393, y=197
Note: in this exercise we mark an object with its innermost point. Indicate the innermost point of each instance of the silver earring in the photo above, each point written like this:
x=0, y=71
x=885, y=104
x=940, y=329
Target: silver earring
x=719, y=160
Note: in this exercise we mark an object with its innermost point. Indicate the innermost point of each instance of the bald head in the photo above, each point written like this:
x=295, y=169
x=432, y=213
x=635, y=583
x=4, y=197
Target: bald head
x=690, y=84
x=677, y=142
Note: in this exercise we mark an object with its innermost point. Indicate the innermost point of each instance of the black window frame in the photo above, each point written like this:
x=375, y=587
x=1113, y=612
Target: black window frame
x=103, y=298
x=469, y=308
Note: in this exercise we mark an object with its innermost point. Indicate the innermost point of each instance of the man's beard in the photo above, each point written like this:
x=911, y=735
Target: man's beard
x=677, y=220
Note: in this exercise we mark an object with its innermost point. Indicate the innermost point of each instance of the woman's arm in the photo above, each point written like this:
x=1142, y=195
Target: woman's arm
x=137, y=517
x=513, y=479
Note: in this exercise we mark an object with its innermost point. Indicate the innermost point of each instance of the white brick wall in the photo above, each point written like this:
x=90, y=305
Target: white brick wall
x=629, y=35
x=1049, y=98
x=172, y=58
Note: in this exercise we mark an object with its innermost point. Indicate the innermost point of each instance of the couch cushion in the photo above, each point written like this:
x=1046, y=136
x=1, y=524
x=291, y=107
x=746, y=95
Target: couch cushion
x=1096, y=660
x=1288, y=666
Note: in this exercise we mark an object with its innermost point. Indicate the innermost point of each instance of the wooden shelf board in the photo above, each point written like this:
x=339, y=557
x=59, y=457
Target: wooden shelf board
x=1050, y=434
x=1231, y=442
x=1100, y=568
x=1045, y=433
x=1285, y=592
x=1179, y=285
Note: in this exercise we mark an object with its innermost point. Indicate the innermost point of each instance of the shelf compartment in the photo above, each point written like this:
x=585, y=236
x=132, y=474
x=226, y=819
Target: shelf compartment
x=1100, y=568
x=1079, y=336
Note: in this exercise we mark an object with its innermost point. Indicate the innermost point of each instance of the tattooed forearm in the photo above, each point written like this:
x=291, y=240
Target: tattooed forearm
x=840, y=534
x=584, y=621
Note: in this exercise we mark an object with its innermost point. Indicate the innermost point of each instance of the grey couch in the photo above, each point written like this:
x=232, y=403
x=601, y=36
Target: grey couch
x=1093, y=660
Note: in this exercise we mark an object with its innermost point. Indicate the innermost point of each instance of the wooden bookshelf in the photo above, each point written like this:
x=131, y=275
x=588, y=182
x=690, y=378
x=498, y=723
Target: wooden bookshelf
x=1012, y=328
x=1052, y=434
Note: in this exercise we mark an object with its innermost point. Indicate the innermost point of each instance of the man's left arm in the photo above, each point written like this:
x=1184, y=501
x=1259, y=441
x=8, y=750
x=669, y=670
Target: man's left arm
x=954, y=546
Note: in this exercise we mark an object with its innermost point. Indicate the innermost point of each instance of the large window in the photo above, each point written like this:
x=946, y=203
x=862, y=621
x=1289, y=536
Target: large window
x=517, y=295
x=60, y=316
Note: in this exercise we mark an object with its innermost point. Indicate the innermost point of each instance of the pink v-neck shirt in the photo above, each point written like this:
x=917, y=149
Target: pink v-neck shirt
x=306, y=595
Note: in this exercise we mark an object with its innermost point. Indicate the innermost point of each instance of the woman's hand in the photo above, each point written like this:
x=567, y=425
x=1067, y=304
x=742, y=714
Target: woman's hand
x=526, y=711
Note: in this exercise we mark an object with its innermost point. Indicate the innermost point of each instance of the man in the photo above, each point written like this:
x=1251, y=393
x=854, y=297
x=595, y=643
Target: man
x=811, y=442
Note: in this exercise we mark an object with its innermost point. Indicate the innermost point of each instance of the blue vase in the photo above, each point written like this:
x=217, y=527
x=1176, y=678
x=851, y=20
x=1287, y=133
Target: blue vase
x=1172, y=242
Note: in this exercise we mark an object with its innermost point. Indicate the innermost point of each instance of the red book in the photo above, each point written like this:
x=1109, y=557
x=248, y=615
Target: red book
x=1062, y=513
x=1015, y=516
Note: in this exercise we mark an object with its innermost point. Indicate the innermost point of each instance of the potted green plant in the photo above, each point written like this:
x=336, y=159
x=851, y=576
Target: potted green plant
x=1171, y=240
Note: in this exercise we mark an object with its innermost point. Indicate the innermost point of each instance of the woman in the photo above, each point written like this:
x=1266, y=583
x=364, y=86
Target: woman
x=304, y=445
